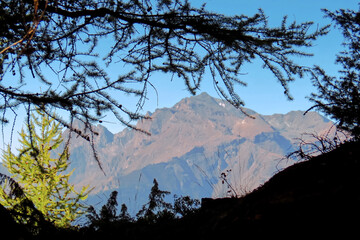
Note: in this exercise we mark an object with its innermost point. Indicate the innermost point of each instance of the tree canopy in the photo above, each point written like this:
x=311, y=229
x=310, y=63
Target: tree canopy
x=339, y=96
x=64, y=48
x=43, y=178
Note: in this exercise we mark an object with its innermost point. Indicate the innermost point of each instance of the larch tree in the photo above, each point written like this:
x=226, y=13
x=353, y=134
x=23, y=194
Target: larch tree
x=43, y=178
x=339, y=96
x=67, y=47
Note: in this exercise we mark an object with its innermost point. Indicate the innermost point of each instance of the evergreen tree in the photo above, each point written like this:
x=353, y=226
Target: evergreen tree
x=156, y=208
x=43, y=178
x=65, y=40
x=124, y=215
x=107, y=217
x=339, y=96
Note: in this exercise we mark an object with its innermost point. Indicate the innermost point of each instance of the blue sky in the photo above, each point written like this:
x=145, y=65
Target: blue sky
x=263, y=93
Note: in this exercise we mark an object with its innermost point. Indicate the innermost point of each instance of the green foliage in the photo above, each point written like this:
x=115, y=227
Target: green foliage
x=43, y=179
x=339, y=97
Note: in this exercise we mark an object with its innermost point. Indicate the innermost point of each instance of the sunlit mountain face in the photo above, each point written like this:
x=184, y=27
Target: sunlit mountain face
x=193, y=146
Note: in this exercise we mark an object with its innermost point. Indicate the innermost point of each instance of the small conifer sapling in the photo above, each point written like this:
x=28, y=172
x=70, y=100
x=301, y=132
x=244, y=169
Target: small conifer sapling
x=45, y=179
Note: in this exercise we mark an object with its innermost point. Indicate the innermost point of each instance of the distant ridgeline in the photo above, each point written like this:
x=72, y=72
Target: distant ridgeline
x=201, y=147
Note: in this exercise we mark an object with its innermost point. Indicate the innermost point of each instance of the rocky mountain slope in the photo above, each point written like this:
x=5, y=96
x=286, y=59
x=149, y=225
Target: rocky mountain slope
x=190, y=145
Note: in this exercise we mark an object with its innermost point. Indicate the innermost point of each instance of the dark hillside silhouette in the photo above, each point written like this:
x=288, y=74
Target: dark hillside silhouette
x=9, y=228
x=319, y=198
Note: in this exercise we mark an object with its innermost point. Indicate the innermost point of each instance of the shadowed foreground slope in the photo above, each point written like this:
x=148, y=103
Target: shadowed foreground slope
x=315, y=198
x=319, y=197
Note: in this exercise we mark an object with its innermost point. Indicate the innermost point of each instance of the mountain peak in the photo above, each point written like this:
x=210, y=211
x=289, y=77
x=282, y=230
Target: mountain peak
x=199, y=132
x=203, y=95
x=203, y=98
x=206, y=105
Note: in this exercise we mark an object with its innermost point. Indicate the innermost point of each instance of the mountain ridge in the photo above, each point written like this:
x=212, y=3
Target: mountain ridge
x=190, y=145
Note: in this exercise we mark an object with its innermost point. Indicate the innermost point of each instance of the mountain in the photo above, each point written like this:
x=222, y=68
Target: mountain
x=191, y=145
